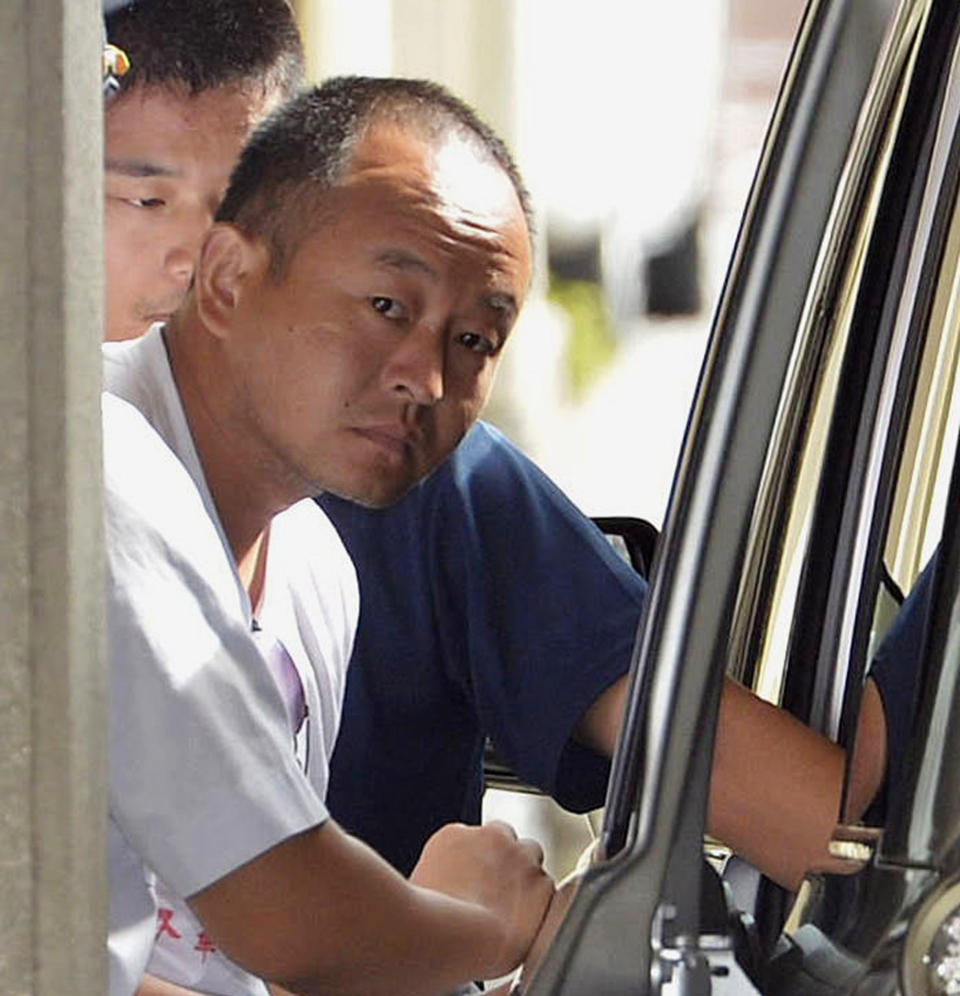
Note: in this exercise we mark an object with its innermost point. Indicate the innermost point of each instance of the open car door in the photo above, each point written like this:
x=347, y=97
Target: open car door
x=811, y=488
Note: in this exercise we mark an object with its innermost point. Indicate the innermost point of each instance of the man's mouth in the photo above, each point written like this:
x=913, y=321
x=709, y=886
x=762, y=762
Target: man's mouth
x=390, y=436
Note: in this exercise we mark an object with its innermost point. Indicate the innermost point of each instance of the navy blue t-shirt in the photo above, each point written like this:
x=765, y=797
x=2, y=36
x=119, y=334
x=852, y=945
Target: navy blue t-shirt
x=489, y=606
x=896, y=670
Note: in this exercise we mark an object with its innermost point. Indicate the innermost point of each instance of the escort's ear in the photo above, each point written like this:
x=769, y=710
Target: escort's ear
x=230, y=264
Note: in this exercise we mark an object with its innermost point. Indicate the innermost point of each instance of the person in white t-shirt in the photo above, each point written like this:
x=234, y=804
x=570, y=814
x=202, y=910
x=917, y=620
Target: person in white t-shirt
x=183, y=88
x=303, y=624
x=344, y=324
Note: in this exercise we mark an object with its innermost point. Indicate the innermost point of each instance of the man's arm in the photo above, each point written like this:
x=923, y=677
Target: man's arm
x=151, y=985
x=775, y=784
x=322, y=913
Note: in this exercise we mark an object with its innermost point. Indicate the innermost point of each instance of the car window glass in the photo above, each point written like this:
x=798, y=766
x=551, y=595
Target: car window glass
x=916, y=518
x=818, y=359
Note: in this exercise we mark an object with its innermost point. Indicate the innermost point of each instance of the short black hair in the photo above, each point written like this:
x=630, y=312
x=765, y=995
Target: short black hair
x=201, y=45
x=303, y=147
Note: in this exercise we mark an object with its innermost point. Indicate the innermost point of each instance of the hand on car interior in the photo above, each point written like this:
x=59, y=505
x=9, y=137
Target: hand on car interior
x=471, y=910
x=548, y=929
x=490, y=867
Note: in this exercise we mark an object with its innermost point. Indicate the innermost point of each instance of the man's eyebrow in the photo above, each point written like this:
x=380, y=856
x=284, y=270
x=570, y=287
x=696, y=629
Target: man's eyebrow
x=403, y=259
x=506, y=304
x=138, y=168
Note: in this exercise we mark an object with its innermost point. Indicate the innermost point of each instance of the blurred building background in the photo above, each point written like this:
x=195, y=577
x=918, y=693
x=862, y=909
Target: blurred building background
x=637, y=126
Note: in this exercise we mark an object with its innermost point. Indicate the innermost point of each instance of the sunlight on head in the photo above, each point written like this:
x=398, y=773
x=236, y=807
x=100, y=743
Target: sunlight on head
x=466, y=177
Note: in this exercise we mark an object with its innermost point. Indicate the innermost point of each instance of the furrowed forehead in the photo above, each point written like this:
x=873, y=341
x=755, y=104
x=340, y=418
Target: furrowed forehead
x=474, y=155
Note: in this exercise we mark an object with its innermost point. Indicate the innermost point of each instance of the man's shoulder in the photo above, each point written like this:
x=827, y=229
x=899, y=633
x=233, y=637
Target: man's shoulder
x=485, y=462
x=134, y=454
x=138, y=371
x=311, y=551
x=486, y=482
x=125, y=362
x=305, y=532
x=153, y=511
x=485, y=446
x=488, y=473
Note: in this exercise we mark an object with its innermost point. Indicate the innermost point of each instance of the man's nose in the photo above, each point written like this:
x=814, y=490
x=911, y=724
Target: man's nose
x=184, y=248
x=416, y=365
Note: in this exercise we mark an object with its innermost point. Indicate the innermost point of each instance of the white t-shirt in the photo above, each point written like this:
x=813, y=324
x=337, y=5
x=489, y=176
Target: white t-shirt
x=203, y=772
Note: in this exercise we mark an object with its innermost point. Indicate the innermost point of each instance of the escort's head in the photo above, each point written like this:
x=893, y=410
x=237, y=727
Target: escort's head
x=370, y=258
x=201, y=76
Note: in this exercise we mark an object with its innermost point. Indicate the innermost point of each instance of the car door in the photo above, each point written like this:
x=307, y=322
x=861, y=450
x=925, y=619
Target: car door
x=826, y=392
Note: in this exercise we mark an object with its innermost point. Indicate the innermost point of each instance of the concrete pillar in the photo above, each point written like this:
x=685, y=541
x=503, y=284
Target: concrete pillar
x=52, y=677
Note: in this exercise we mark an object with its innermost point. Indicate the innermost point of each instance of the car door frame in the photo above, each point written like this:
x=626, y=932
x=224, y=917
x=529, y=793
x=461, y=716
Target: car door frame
x=638, y=909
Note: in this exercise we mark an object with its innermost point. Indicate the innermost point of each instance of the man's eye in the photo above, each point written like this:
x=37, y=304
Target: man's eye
x=477, y=343
x=147, y=202
x=389, y=307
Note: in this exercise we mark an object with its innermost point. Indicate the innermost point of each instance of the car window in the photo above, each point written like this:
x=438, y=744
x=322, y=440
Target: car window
x=805, y=418
x=926, y=458
x=796, y=462
x=921, y=487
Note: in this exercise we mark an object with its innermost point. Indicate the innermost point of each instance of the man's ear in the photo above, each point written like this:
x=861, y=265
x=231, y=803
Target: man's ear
x=229, y=262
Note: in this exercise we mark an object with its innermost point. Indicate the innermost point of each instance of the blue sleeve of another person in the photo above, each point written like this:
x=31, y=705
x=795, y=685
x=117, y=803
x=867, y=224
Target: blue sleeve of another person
x=489, y=605
x=896, y=669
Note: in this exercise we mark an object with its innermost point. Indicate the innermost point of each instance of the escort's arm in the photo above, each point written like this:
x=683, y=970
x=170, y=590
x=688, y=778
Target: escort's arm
x=775, y=785
x=321, y=913
x=152, y=985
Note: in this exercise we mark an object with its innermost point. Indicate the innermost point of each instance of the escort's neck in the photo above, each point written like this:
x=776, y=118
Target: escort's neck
x=247, y=487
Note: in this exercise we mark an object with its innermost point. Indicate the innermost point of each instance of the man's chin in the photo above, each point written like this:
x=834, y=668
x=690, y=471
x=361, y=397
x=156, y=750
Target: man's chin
x=374, y=490
x=377, y=495
x=132, y=330
x=374, y=500
x=124, y=333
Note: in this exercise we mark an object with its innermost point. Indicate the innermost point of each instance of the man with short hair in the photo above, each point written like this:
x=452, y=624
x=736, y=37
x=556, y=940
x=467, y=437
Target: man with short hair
x=201, y=75
x=342, y=330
